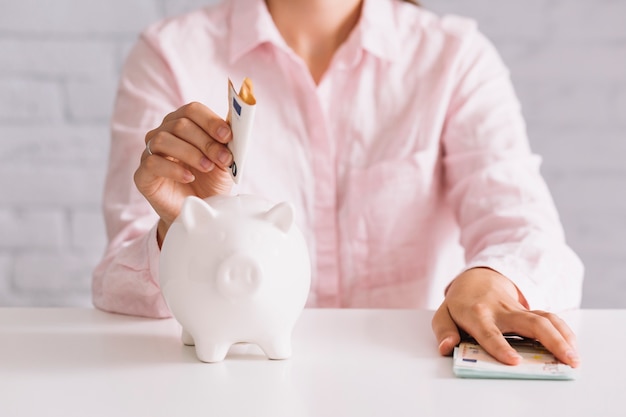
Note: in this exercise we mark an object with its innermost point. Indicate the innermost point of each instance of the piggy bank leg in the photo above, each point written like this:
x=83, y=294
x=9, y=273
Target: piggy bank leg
x=277, y=347
x=187, y=338
x=208, y=351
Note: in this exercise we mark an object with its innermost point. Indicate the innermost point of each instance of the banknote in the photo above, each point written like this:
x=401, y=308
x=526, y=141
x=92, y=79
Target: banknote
x=241, y=109
x=470, y=360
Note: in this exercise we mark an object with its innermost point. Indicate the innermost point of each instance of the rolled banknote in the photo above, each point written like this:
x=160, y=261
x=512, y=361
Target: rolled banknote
x=241, y=111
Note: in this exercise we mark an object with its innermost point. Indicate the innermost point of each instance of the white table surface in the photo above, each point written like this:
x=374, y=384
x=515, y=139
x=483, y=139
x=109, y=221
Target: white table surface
x=83, y=362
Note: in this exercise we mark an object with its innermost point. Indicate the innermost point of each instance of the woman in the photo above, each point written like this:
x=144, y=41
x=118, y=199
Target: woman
x=395, y=133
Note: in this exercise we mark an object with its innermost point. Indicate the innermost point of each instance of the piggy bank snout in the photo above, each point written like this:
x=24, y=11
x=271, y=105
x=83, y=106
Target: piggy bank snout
x=239, y=276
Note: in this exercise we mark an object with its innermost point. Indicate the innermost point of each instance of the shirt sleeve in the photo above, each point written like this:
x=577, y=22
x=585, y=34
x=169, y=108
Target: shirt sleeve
x=126, y=280
x=507, y=217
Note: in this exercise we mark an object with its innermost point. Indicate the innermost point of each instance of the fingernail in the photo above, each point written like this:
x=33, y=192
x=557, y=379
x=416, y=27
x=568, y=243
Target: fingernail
x=223, y=132
x=514, y=355
x=445, y=344
x=206, y=164
x=572, y=356
x=188, y=177
x=224, y=157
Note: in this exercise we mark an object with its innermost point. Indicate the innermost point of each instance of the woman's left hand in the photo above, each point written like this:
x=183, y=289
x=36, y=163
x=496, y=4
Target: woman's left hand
x=486, y=304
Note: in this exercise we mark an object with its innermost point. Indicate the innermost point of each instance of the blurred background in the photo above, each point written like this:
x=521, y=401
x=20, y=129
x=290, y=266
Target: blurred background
x=59, y=64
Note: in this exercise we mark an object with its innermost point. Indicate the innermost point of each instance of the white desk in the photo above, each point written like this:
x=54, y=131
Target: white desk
x=81, y=362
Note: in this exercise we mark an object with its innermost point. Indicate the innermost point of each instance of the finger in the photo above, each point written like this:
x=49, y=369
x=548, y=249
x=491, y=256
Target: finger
x=155, y=167
x=187, y=130
x=484, y=329
x=166, y=144
x=560, y=325
x=446, y=331
x=205, y=118
x=542, y=328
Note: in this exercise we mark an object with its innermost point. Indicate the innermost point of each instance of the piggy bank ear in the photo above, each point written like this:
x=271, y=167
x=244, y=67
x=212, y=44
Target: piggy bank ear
x=281, y=216
x=196, y=214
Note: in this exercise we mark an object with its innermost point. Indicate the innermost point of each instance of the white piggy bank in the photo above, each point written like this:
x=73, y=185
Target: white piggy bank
x=235, y=269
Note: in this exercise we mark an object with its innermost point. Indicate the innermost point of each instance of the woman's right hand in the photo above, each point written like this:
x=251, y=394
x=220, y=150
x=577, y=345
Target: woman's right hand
x=189, y=157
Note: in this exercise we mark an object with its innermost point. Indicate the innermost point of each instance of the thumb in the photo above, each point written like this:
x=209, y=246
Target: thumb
x=446, y=330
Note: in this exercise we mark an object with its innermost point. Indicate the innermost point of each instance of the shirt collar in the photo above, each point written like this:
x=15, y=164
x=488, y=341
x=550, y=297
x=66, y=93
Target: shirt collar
x=378, y=29
x=251, y=25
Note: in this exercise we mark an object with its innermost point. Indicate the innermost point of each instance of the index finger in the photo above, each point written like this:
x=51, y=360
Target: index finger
x=489, y=336
x=486, y=331
x=205, y=118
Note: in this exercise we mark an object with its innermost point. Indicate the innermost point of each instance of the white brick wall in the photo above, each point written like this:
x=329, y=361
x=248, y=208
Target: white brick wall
x=59, y=63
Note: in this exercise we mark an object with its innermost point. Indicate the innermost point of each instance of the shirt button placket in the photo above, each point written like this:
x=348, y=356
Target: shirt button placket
x=325, y=202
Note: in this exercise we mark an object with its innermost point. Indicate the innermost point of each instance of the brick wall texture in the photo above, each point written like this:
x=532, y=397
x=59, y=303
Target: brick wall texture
x=59, y=65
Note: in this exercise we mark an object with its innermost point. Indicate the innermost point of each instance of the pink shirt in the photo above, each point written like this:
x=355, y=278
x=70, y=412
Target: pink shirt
x=407, y=164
